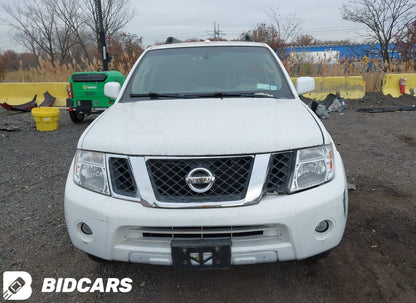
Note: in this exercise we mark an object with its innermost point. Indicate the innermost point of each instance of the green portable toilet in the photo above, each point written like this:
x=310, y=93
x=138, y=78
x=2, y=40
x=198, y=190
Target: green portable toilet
x=86, y=93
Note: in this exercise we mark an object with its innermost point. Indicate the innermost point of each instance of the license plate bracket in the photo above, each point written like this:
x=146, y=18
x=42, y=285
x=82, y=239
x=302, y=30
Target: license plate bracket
x=201, y=253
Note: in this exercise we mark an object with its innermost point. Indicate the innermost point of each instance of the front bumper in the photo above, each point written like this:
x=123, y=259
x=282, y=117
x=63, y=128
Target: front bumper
x=278, y=228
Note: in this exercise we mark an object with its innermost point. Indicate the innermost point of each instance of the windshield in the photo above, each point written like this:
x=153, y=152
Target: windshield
x=214, y=71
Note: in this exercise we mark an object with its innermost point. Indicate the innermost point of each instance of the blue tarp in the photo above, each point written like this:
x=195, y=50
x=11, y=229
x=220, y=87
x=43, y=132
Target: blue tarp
x=346, y=52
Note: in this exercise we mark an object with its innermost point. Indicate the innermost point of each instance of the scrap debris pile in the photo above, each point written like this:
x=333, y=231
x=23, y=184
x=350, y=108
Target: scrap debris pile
x=27, y=107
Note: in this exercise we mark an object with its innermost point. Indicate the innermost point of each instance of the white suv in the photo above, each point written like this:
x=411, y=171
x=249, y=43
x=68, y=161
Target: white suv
x=208, y=158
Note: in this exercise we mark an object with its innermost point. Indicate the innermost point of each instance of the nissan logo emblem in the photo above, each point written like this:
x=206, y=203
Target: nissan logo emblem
x=200, y=180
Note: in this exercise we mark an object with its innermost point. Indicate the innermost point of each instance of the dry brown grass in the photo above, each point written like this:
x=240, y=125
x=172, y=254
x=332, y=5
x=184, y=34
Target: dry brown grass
x=48, y=72
x=373, y=81
x=125, y=62
x=371, y=70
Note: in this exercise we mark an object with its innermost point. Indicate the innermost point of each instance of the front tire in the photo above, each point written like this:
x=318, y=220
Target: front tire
x=97, y=259
x=320, y=256
x=76, y=117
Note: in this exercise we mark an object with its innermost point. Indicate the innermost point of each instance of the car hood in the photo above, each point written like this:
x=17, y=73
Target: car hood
x=195, y=127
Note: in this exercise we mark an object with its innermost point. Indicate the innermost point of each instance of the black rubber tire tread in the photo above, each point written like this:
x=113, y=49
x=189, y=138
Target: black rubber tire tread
x=320, y=256
x=97, y=259
x=76, y=117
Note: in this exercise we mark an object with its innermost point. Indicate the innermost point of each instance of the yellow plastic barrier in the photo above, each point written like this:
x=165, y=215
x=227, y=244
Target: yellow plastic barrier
x=391, y=84
x=347, y=87
x=46, y=118
x=20, y=93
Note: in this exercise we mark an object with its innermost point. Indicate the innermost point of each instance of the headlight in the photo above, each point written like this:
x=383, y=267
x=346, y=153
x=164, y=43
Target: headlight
x=314, y=166
x=90, y=171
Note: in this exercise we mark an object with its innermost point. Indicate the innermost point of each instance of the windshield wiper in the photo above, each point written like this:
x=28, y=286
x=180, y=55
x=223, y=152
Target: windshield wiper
x=152, y=95
x=221, y=95
x=236, y=95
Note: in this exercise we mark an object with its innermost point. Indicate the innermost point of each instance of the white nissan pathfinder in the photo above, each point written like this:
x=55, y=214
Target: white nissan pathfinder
x=207, y=159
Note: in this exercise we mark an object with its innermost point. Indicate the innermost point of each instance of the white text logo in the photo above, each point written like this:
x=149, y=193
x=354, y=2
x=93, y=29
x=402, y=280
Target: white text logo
x=87, y=285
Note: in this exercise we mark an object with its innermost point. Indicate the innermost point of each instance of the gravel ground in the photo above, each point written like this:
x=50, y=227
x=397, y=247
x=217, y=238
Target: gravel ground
x=375, y=262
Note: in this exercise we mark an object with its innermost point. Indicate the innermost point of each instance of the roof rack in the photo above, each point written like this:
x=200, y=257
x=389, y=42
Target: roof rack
x=247, y=38
x=171, y=40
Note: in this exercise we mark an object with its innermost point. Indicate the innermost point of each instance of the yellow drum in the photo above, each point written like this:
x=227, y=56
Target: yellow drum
x=46, y=118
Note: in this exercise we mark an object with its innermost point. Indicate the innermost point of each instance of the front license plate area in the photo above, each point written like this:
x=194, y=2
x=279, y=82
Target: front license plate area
x=201, y=253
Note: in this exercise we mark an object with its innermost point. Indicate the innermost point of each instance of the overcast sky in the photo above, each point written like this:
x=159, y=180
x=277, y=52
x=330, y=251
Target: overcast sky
x=158, y=19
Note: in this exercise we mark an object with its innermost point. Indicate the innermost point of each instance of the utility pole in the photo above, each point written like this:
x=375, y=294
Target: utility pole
x=217, y=32
x=99, y=15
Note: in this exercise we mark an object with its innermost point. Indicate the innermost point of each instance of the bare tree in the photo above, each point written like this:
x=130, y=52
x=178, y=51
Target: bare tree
x=1, y=68
x=280, y=31
x=116, y=14
x=74, y=19
x=58, y=28
x=288, y=27
x=385, y=19
x=34, y=24
x=406, y=45
x=304, y=40
x=267, y=34
x=125, y=49
x=38, y=29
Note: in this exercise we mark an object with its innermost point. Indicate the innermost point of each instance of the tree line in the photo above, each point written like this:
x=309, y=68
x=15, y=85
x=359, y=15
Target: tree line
x=66, y=31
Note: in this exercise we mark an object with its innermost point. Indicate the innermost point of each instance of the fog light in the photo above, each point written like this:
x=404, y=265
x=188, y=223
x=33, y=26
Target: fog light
x=322, y=226
x=86, y=229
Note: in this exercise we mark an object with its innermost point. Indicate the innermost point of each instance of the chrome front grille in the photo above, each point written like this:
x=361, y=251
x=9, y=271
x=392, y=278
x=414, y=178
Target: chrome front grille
x=173, y=182
x=168, y=178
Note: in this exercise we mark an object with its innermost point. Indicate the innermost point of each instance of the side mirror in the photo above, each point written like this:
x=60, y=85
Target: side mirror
x=305, y=85
x=112, y=89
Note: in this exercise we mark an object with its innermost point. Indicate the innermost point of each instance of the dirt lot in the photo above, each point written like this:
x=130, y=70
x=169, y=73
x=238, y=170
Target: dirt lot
x=375, y=262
